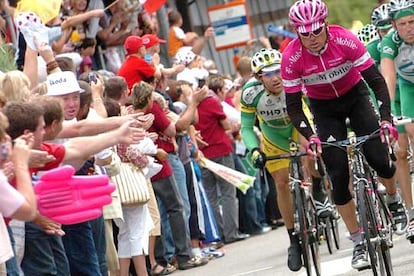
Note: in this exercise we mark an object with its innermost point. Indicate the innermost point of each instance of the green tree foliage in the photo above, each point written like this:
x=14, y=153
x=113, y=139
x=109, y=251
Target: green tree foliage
x=343, y=12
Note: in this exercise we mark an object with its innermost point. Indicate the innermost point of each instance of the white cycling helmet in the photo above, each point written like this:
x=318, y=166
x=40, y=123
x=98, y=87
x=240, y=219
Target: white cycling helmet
x=367, y=34
x=395, y=6
x=266, y=60
x=380, y=17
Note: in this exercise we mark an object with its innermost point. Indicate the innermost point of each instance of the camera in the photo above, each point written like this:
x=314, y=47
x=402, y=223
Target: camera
x=92, y=77
x=201, y=83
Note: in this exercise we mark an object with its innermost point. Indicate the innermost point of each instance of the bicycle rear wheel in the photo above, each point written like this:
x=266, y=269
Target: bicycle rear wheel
x=368, y=222
x=327, y=233
x=300, y=208
x=335, y=231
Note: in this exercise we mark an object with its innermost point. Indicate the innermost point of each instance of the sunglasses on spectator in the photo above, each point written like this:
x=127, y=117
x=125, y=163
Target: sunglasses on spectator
x=315, y=33
x=270, y=73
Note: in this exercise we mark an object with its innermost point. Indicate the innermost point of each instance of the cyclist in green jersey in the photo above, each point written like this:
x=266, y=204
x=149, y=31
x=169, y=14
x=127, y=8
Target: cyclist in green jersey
x=263, y=98
x=397, y=53
x=371, y=36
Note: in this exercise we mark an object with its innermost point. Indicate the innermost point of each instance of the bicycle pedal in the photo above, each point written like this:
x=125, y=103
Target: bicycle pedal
x=364, y=268
x=411, y=240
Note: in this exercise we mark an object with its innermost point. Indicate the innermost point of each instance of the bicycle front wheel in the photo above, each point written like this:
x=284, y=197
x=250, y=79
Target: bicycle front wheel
x=314, y=235
x=300, y=208
x=367, y=220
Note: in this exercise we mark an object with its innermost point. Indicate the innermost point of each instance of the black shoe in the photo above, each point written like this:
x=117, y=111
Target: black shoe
x=238, y=237
x=323, y=207
x=360, y=257
x=263, y=230
x=294, y=257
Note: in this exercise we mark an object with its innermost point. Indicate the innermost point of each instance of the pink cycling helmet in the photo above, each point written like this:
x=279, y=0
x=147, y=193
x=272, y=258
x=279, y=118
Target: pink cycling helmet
x=308, y=15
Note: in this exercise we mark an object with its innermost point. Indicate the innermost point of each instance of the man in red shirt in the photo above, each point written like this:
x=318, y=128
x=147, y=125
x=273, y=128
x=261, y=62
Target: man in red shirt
x=214, y=127
x=135, y=68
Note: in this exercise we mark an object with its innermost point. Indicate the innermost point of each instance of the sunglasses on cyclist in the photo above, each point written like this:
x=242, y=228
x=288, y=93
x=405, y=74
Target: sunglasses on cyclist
x=270, y=73
x=315, y=33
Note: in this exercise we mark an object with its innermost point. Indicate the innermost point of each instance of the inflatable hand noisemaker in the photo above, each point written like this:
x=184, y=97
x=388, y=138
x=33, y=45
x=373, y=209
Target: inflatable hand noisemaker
x=69, y=199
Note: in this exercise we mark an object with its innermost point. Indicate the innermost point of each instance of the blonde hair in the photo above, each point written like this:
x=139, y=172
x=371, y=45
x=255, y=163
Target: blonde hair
x=141, y=94
x=15, y=86
x=40, y=89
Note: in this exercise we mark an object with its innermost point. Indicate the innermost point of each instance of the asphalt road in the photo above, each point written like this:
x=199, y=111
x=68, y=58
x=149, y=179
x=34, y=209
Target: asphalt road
x=266, y=255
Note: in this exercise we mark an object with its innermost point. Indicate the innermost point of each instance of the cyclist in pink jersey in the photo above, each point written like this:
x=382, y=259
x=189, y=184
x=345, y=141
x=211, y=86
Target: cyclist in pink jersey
x=328, y=64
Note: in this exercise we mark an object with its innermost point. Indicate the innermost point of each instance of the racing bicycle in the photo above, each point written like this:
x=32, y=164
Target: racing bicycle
x=376, y=221
x=306, y=225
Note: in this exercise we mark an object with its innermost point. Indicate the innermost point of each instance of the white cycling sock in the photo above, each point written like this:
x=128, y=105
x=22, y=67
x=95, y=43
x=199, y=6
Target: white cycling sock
x=356, y=238
x=393, y=198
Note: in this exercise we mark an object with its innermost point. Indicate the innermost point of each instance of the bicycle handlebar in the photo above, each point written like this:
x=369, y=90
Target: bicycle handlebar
x=289, y=155
x=357, y=141
x=400, y=121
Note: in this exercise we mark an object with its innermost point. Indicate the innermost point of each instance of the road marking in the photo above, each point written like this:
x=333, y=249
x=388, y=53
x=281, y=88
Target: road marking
x=253, y=271
x=334, y=267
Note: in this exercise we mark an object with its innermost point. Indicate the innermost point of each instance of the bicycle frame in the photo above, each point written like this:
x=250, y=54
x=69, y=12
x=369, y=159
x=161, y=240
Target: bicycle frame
x=306, y=221
x=376, y=221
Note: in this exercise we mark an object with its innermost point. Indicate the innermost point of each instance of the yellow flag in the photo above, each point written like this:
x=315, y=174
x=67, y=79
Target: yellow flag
x=46, y=10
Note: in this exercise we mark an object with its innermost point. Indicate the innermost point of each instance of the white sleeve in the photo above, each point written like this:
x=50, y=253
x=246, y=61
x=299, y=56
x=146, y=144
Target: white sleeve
x=179, y=33
x=10, y=198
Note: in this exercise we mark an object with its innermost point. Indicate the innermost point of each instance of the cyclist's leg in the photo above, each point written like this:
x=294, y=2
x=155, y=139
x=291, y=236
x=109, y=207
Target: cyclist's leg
x=407, y=101
x=279, y=169
x=330, y=122
x=403, y=169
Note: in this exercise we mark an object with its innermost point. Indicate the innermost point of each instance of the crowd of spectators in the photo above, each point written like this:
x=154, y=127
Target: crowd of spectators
x=56, y=114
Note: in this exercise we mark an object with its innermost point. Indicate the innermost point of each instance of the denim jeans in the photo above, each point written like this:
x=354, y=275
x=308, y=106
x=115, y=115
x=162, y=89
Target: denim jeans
x=180, y=180
x=98, y=231
x=80, y=249
x=44, y=254
x=12, y=267
x=167, y=240
x=249, y=222
x=221, y=193
x=166, y=191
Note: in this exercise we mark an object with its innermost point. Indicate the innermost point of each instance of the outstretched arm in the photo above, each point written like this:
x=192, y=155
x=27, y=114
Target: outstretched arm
x=78, y=150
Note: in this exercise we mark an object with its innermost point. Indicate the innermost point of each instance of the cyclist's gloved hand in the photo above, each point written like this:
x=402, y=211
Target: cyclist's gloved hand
x=258, y=158
x=388, y=128
x=314, y=146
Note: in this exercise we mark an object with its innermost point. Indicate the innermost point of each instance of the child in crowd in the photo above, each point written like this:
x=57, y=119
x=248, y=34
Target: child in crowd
x=86, y=50
x=176, y=36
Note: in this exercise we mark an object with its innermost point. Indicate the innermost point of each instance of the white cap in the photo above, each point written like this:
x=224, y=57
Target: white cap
x=62, y=83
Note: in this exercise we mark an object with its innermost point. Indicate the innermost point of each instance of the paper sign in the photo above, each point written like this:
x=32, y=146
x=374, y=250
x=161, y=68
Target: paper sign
x=231, y=24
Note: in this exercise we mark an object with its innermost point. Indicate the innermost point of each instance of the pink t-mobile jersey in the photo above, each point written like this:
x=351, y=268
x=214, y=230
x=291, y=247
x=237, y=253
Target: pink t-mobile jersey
x=328, y=74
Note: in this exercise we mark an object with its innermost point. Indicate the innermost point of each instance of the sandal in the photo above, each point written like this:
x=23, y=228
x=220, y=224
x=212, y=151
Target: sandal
x=164, y=271
x=170, y=268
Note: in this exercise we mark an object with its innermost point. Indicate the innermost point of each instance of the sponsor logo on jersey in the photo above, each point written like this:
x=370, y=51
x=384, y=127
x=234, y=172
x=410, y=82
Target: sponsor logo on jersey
x=346, y=42
x=250, y=93
x=329, y=75
x=388, y=50
x=331, y=139
x=303, y=124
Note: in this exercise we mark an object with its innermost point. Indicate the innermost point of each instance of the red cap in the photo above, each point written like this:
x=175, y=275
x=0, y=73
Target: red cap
x=132, y=44
x=150, y=40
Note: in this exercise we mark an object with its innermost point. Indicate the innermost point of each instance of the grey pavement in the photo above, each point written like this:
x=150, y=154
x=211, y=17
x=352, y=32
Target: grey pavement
x=266, y=255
